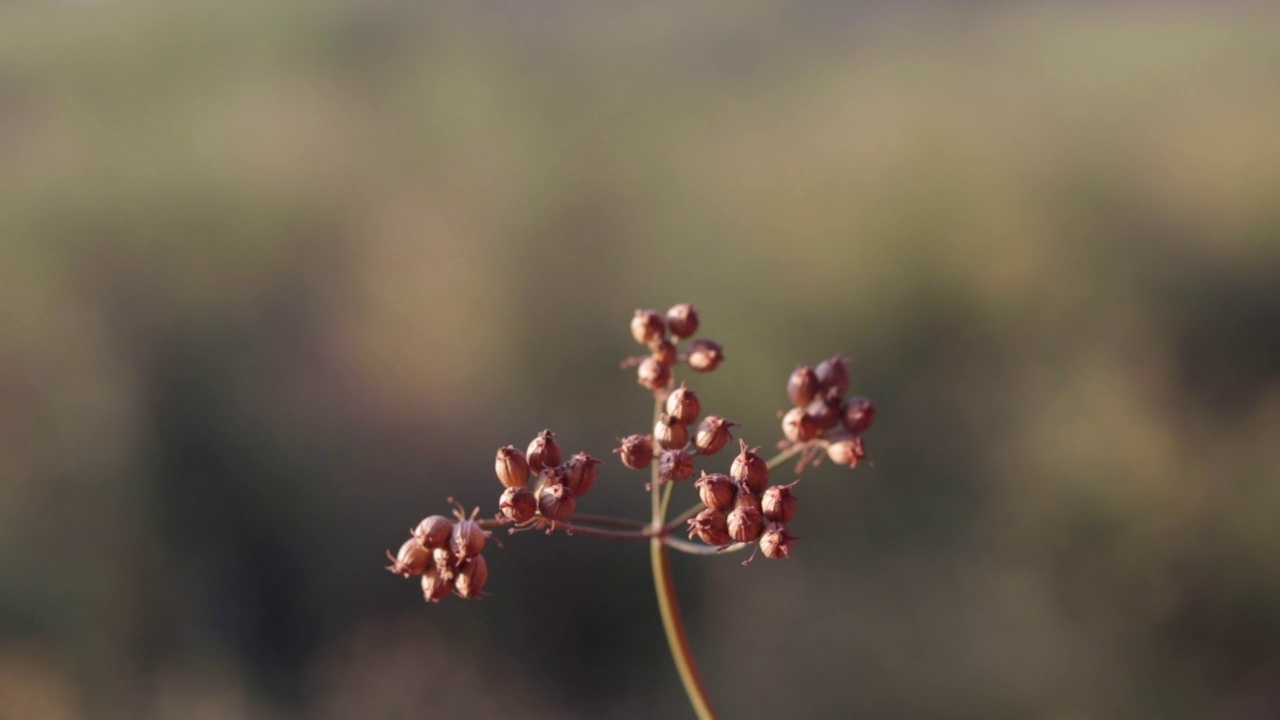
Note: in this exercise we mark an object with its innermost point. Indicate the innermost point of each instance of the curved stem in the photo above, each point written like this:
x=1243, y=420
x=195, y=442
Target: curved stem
x=692, y=548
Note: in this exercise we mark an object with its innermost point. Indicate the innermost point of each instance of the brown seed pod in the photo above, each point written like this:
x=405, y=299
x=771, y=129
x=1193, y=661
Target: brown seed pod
x=833, y=376
x=711, y=526
x=543, y=451
x=556, y=502
x=776, y=541
x=847, y=452
x=683, y=320
x=669, y=433
x=580, y=473
x=518, y=504
x=675, y=465
x=749, y=469
x=802, y=386
x=705, y=355
x=512, y=467
x=826, y=412
x=467, y=539
x=716, y=491
x=745, y=524
x=647, y=326
x=713, y=434
x=434, y=585
x=798, y=427
x=472, y=576
x=859, y=414
x=747, y=500
x=636, y=451
x=433, y=532
x=683, y=405
x=444, y=562
x=653, y=373
x=411, y=560
x=664, y=351
x=779, y=503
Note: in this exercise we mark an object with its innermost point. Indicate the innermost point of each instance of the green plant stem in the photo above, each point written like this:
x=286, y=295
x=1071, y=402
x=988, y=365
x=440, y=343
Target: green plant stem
x=668, y=603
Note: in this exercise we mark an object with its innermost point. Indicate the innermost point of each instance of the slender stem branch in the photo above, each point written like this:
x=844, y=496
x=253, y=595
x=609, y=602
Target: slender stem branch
x=609, y=521
x=692, y=548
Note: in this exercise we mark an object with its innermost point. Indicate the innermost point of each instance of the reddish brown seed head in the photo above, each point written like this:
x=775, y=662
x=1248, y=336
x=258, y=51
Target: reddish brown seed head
x=543, y=451
x=518, y=504
x=664, y=351
x=471, y=578
x=826, y=411
x=433, y=532
x=776, y=541
x=580, y=473
x=798, y=427
x=713, y=434
x=556, y=502
x=833, y=376
x=669, y=433
x=747, y=500
x=636, y=451
x=802, y=386
x=653, y=373
x=779, y=503
x=712, y=526
x=683, y=405
x=749, y=469
x=745, y=524
x=716, y=491
x=435, y=586
x=444, y=562
x=411, y=560
x=675, y=465
x=512, y=467
x=683, y=320
x=647, y=326
x=847, y=452
x=467, y=539
x=859, y=414
x=705, y=355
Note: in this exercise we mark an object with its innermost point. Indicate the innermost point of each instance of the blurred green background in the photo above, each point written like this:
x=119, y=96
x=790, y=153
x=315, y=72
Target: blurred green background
x=277, y=278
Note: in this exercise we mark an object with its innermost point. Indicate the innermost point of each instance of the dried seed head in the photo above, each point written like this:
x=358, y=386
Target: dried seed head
x=558, y=475
x=467, y=539
x=747, y=500
x=745, y=524
x=653, y=373
x=669, y=433
x=716, y=491
x=556, y=502
x=825, y=411
x=683, y=320
x=472, y=576
x=664, y=351
x=705, y=355
x=683, y=405
x=749, y=469
x=411, y=560
x=802, y=386
x=444, y=561
x=636, y=451
x=511, y=466
x=433, y=532
x=712, y=526
x=543, y=452
x=435, y=586
x=776, y=541
x=847, y=452
x=859, y=413
x=580, y=473
x=779, y=503
x=647, y=326
x=518, y=504
x=713, y=434
x=833, y=376
x=798, y=427
x=675, y=465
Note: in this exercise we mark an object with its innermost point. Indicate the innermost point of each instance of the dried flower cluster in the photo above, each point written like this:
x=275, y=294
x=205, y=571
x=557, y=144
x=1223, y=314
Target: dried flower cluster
x=556, y=485
x=446, y=553
x=742, y=507
x=821, y=412
x=650, y=328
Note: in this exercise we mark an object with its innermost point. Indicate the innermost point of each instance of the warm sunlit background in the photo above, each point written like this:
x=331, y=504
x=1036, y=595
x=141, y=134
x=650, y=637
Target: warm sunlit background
x=277, y=278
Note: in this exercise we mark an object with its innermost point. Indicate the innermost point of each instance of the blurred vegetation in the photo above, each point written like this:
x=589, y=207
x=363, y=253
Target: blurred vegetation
x=277, y=278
